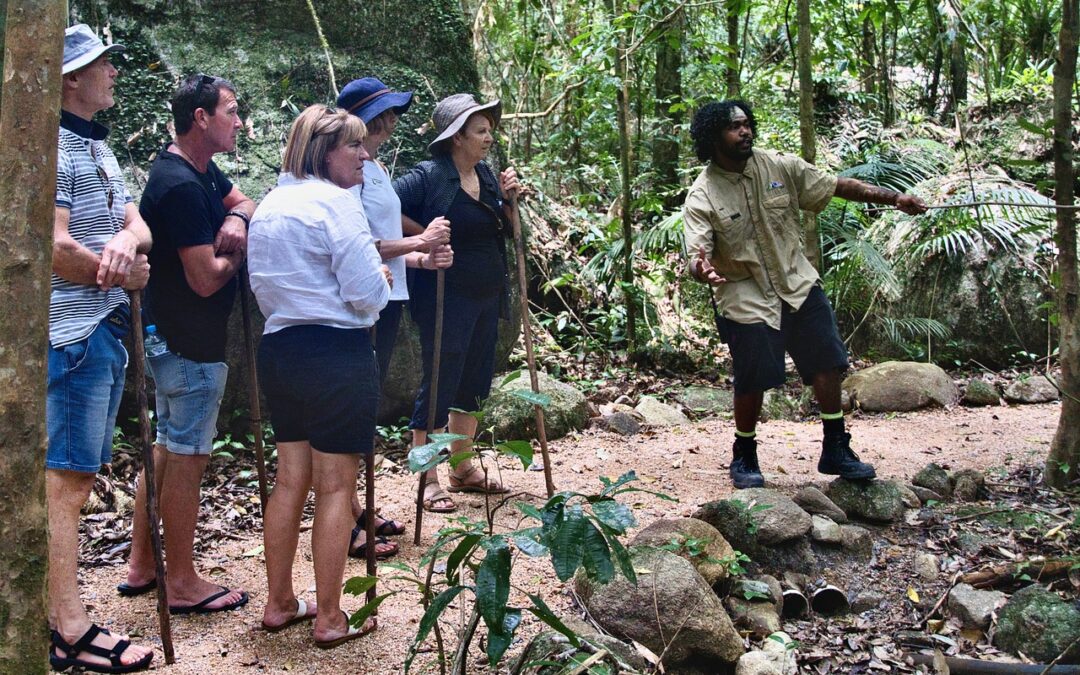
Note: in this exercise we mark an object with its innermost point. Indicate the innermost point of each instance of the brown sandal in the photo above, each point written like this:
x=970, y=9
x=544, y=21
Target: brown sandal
x=437, y=495
x=486, y=486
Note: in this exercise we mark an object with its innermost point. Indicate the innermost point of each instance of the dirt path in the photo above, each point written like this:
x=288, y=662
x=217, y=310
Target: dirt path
x=686, y=462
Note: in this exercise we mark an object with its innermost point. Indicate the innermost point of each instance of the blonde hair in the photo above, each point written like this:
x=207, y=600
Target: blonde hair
x=314, y=133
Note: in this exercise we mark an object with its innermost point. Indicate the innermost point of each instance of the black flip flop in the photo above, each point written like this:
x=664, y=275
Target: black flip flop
x=361, y=550
x=84, y=644
x=201, y=607
x=128, y=591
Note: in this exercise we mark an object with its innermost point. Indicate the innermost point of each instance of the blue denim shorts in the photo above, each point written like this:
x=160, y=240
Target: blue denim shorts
x=85, y=382
x=188, y=395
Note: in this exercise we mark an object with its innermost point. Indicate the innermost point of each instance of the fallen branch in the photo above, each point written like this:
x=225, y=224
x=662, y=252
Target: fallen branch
x=999, y=575
x=959, y=666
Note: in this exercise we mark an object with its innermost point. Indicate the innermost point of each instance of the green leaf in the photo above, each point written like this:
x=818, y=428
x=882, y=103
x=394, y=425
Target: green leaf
x=459, y=457
x=523, y=450
x=453, y=562
x=567, y=544
x=597, y=557
x=527, y=542
x=622, y=558
x=360, y=585
x=534, y=397
x=427, y=622
x=510, y=378
x=609, y=487
x=530, y=510
x=1034, y=128
x=617, y=516
x=499, y=640
x=429, y=455
x=493, y=586
x=544, y=613
x=361, y=615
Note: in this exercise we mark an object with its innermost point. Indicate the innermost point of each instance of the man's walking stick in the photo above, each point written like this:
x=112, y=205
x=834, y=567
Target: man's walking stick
x=147, y=449
x=433, y=399
x=541, y=432
x=253, y=391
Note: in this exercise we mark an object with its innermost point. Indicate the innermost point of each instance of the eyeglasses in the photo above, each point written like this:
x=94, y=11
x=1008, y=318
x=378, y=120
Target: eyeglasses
x=202, y=97
x=105, y=182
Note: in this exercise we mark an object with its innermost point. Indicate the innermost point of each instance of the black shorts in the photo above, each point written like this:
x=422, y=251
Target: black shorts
x=809, y=334
x=322, y=385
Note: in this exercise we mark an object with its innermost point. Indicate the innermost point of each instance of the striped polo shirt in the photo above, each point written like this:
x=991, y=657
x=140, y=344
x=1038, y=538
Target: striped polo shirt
x=87, y=173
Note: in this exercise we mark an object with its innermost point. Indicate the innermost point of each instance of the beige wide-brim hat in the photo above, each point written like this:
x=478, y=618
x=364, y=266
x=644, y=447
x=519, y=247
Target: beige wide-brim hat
x=451, y=113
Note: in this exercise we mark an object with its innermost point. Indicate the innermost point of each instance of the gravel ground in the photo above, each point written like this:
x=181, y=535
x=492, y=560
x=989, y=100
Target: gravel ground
x=687, y=462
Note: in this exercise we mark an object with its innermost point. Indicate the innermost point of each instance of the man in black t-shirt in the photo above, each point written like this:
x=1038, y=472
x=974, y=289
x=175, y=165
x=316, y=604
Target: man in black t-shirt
x=199, y=222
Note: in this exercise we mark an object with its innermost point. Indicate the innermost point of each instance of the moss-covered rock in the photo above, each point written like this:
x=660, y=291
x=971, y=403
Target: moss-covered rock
x=695, y=540
x=515, y=418
x=979, y=392
x=933, y=477
x=877, y=500
x=1040, y=624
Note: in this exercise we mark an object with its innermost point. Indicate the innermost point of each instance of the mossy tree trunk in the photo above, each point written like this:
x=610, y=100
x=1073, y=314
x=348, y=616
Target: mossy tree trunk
x=29, y=119
x=1063, y=462
x=731, y=73
x=668, y=85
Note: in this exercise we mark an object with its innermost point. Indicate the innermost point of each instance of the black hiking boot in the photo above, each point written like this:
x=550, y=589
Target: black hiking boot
x=837, y=459
x=744, y=469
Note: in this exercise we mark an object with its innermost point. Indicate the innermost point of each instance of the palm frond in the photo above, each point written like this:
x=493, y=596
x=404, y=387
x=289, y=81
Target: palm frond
x=899, y=330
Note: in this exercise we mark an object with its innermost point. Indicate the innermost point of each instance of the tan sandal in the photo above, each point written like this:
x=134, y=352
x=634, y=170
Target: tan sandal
x=486, y=486
x=437, y=495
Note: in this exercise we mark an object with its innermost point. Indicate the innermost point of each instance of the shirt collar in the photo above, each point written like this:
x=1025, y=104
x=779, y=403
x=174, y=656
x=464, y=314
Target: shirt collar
x=83, y=128
x=733, y=176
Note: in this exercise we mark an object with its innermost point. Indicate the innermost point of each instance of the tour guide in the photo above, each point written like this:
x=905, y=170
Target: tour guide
x=743, y=238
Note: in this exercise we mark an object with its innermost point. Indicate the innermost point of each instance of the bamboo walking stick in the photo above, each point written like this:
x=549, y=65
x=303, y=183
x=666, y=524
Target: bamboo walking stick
x=541, y=432
x=147, y=450
x=433, y=399
x=254, y=405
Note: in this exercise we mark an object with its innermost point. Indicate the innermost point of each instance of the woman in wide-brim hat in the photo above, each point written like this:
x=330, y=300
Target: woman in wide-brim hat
x=458, y=184
x=426, y=248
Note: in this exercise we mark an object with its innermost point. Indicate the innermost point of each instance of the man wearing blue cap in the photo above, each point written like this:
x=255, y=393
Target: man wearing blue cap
x=99, y=246
x=380, y=107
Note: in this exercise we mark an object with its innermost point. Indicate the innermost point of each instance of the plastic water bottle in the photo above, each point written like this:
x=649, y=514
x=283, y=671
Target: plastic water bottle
x=154, y=344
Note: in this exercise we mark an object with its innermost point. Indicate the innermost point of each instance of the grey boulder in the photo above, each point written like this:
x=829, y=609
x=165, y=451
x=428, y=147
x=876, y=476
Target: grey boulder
x=974, y=607
x=900, y=386
x=876, y=500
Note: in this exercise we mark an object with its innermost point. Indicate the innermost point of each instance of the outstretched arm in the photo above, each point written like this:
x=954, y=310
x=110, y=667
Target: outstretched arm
x=858, y=191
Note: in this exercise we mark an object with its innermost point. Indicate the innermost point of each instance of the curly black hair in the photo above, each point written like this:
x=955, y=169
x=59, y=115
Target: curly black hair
x=711, y=120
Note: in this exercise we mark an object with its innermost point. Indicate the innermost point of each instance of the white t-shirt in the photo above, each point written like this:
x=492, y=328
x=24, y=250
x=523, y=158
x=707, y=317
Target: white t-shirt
x=312, y=259
x=383, y=210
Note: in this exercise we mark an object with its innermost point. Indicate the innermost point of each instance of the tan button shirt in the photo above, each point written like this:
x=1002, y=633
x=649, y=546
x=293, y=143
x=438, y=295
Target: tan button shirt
x=748, y=224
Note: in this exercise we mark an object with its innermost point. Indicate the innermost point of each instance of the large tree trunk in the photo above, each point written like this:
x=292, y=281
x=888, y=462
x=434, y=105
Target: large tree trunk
x=668, y=86
x=867, y=68
x=958, y=75
x=807, y=134
x=29, y=119
x=1063, y=462
x=939, y=56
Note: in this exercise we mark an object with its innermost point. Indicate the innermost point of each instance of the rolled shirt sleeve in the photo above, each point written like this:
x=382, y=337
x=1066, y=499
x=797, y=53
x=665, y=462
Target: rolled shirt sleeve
x=697, y=227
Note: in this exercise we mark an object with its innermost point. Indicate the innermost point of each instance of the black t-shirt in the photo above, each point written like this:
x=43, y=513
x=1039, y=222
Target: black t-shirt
x=479, y=269
x=184, y=208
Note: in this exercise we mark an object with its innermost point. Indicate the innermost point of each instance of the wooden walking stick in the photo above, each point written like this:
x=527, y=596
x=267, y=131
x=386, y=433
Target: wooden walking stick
x=541, y=432
x=147, y=450
x=433, y=399
x=253, y=391
x=369, y=498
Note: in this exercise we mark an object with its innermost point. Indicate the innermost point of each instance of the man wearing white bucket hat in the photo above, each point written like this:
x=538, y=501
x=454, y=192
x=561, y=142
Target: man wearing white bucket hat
x=99, y=246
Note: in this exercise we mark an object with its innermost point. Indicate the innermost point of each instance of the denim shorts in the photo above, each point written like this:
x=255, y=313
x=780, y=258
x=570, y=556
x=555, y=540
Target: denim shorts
x=85, y=383
x=188, y=396
x=322, y=386
x=809, y=334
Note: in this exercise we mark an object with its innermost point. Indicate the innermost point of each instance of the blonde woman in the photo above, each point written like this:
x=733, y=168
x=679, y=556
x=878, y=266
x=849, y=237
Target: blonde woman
x=320, y=283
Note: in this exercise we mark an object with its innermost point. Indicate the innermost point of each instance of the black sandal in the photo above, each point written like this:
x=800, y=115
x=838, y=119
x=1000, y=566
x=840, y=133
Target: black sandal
x=388, y=528
x=84, y=644
x=361, y=550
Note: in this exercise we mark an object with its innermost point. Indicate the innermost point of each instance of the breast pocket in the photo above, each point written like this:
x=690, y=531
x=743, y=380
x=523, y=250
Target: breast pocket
x=733, y=233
